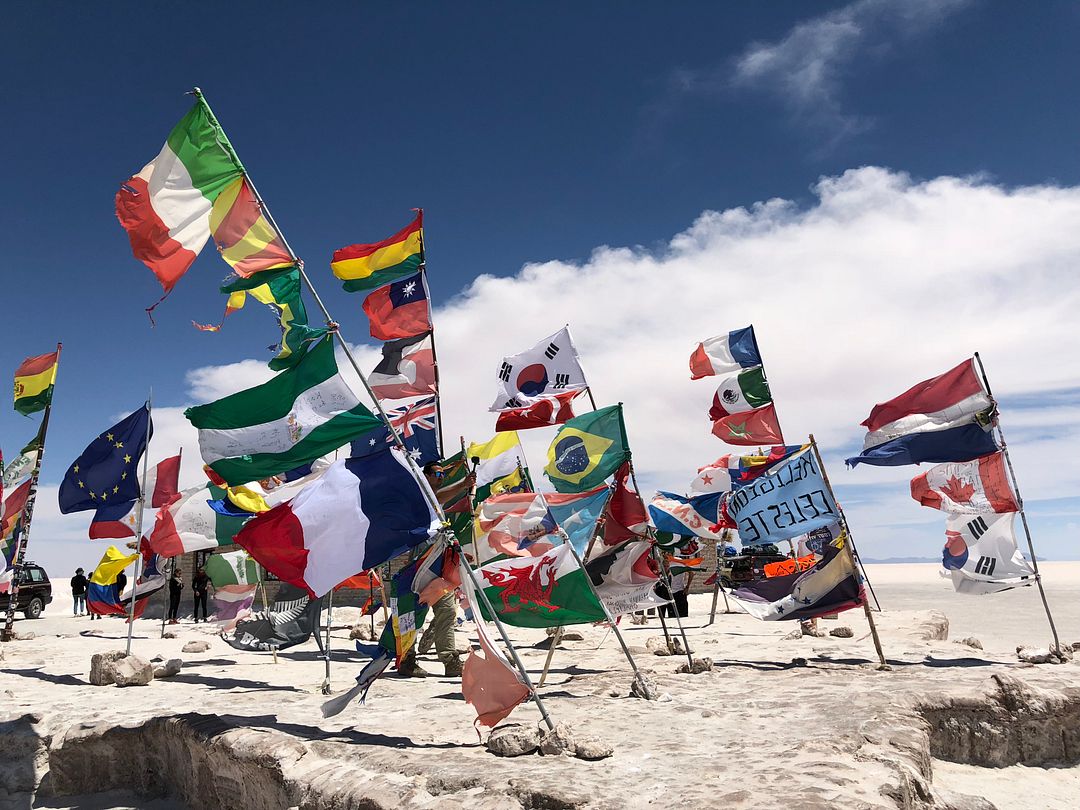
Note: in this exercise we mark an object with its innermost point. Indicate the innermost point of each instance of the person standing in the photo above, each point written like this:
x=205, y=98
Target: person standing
x=200, y=584
x=176, y=588
x=78, y=593
x=121, y=583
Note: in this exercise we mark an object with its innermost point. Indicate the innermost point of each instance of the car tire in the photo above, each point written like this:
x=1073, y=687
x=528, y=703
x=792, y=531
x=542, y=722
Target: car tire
x=33, y=610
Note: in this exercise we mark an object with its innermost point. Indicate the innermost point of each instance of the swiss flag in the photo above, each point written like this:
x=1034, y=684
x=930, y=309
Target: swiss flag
x=546, y=412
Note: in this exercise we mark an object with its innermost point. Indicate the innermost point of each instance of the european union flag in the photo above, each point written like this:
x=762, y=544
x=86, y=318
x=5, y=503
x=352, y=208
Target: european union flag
x=107, y=470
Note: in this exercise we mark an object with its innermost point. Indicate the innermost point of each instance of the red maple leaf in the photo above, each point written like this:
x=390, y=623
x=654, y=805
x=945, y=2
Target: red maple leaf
x=957, y=490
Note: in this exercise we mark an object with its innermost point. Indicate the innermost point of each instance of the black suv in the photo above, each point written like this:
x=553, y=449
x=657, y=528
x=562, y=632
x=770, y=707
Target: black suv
x=35, y=591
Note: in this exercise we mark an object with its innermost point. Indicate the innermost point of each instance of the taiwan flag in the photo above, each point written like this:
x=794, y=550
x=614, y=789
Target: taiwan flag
x=399, y=310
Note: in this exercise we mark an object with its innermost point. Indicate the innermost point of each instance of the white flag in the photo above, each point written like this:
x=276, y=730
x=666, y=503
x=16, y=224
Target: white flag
x=548, y=368
x=981, y=556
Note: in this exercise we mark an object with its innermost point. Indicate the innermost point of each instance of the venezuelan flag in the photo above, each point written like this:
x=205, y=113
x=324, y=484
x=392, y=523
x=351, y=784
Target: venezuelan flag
x=34, y=382
x=365, y=267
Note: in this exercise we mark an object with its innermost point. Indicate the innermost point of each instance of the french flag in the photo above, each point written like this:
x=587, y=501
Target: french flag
x=359, y=514
x=946, y=418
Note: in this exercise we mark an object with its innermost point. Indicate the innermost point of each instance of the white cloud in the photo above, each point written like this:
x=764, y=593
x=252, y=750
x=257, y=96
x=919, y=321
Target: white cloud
x=806, y=67
x=883, y=282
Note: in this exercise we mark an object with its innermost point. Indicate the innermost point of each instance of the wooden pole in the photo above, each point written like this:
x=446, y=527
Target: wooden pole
x=847, y=550
x=262, y=590
x=1020, y=503
x=22, y=539
x=551, y=654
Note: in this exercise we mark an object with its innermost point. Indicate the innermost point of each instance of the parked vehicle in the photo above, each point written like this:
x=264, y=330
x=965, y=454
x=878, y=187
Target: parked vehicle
x=35, y=591
x=749, y=566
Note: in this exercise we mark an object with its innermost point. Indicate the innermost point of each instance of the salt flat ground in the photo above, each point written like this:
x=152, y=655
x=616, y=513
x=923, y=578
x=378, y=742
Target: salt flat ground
x=787, y=723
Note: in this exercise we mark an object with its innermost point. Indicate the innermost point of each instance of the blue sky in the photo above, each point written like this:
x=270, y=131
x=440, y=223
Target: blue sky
x=537, y=135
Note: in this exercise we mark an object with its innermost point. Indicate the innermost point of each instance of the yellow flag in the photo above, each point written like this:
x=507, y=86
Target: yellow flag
x=111, y=565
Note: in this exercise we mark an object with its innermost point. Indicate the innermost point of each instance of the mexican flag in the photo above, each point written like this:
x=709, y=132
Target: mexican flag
x=194, y=189
x=304, y=412
x=545, y=591
x=740, y=393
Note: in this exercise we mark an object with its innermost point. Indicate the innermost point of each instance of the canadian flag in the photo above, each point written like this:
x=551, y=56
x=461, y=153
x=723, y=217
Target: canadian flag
x=966, y=487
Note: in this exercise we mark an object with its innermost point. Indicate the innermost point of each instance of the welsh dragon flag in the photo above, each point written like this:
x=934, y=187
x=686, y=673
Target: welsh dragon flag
x=545, y=591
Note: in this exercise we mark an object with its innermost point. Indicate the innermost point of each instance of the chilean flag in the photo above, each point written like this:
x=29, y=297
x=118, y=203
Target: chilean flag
x=359, y=514
x=399, y=310
x=945, y=418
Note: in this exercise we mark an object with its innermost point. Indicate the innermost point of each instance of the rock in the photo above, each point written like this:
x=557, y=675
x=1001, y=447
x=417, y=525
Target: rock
x=949, y=800
x=931, y=625
x=970, y=641
x=592, y=747
x=700, y=665
x=27, y=636
x=843, y=631
x=1035, y=655
x=642, y=688
x=168, y=634
x=101, y=667
x=1076, y=646
x=558, y=741
x=131, y=670
x=794, y=634
x=656, y=643
x=195, y=647
x=514, y=740
x=571, y=635
x=169, y=668
x=362, y=632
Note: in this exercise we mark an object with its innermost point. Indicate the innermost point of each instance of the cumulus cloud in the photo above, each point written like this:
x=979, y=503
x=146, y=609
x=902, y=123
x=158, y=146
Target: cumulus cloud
x=882, y=282
x=805, y=69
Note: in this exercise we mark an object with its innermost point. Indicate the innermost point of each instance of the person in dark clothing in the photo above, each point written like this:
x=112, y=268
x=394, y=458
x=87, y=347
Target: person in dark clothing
x=78, y=592
x=176, y=587
x=200, y=583
x=121, y=583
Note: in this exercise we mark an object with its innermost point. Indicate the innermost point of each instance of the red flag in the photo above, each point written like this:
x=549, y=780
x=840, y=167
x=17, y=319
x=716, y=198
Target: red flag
x=544, y=413
x=399, y=310
x=625, y=513
x=364, y=581
x=749, y=428
x=163, y=482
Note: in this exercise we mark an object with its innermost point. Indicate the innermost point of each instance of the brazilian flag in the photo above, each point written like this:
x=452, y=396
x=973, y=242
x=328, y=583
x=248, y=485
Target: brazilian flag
x=280, y=291
x=587, y=449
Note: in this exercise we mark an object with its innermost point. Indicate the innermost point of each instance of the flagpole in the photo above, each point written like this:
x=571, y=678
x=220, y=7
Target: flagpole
x=332, y=325
x=431, y=328
x=326, y=650
x=1020, y=503
x=848, y=544
x=23, y=531
x=139, y=517
x=506, y=638
x=717, y=589
x=262, y=590
x=765, y=377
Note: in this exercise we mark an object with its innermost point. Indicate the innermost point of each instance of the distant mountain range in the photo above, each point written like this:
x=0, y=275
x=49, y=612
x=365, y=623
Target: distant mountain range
x=901, y=560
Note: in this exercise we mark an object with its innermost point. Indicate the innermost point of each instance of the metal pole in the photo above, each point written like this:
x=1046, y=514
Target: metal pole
x=139, y=516
x=266, y=605
x=331, y=324
x=1020, y=503
x=23, y=533
x=371, y=595
x=848, y=552
x=326, y=650
x=665, y=575
x=506, y=639
x=434, y=355
x=171, y=566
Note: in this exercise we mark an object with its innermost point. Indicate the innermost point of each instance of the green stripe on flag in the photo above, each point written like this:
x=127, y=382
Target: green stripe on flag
x=204, y=150
x=755, y=389
x=384, y=276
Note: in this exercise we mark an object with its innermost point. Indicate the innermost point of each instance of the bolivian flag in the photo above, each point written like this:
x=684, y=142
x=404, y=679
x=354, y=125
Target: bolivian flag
x=365, y=267
x=34, y=383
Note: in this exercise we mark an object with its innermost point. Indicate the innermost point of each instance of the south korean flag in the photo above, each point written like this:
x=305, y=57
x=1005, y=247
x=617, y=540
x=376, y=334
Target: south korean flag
x=980, y=554
x=550, y=367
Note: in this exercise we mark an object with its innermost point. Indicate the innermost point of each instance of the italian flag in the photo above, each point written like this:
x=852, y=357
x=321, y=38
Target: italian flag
x=301, y=414
x=194, y=189
x=545, y=591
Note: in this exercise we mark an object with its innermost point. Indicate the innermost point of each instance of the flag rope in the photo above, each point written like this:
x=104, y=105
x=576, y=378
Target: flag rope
x=23, y=532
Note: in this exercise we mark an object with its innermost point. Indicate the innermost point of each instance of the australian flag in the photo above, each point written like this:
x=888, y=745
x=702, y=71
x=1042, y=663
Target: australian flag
x=107, y=470
x=414, y=423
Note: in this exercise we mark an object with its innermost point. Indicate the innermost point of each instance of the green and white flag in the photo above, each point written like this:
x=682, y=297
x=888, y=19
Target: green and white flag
x=22, y=465
x=545, y=591
x=742, y=392
x=232, y=568
x=305, y=412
